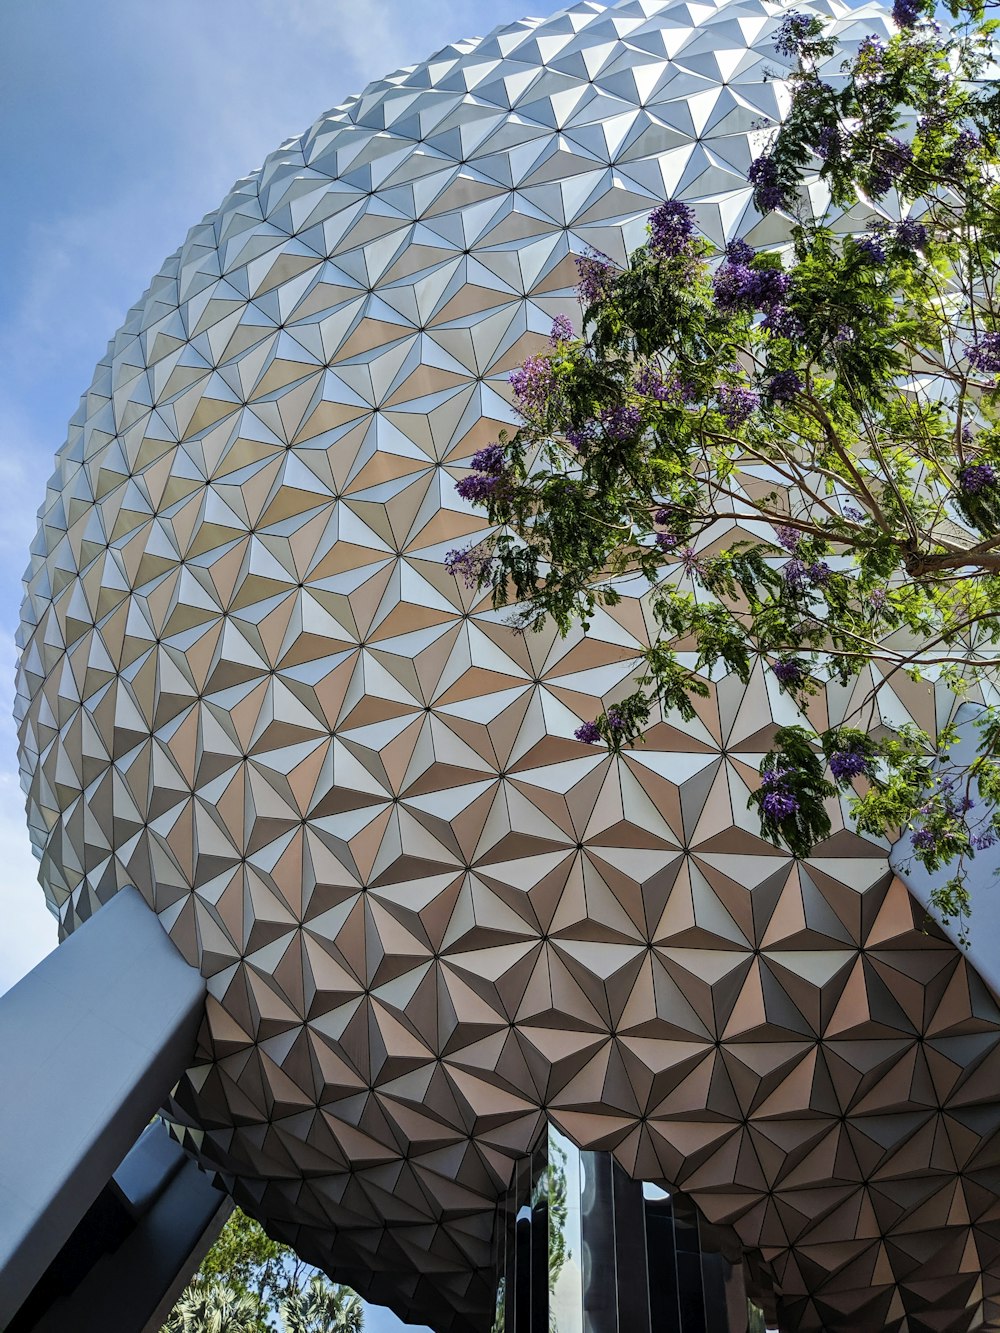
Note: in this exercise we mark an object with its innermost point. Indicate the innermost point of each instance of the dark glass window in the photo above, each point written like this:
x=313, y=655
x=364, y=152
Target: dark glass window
x=582, y=1248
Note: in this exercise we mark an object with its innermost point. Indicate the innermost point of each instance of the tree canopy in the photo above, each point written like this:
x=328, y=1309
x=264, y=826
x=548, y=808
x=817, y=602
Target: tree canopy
x=249, y=1283
x=795, y=449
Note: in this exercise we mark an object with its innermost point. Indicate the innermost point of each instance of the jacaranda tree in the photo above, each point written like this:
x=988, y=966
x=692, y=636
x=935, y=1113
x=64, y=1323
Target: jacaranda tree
x=836, y=399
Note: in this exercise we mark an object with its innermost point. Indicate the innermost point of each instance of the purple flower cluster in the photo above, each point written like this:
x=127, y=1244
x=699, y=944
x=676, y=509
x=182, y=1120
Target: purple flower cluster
x=476, y=488
x=763, y=176
x=976, y=478
x=828, y=142
x=788, y=537
x=733, y=287
x=532, y=383
x=739, y=251
x=491, y=460
x=473, y=565
x=667, y=517
x=796, y=576
x=789, y=673
x=736, y=404
x=596, y=277
x=793, y=31
x=487, y=475
x=871, y=52
x=889, y=162
x=924, y=839
x=737, y=286
x=984, y=354
x=651, y=384
x=802, y=578
x=784, y=386
x=844, y=335
x=873, y=248
x=954, y=805
x=671, y=227
x=855, y=515
x=933, y=121
x=581, y=436
x=590, y=732
x=562, y=330
x=615, y=720
x=966, y=143
x=905, y=13
x=783, y=323
x=983, y=840
x=688, y=557
x=621, y=423
x=911, y=235
x=847, y=764
x=778, y=802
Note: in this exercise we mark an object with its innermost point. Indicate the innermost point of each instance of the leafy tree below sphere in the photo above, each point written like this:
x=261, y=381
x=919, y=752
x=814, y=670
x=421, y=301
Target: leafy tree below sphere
x=321, y=1308
x=836, y=399
x=248, y=1283
x=245, y=1258
x=214, y=1307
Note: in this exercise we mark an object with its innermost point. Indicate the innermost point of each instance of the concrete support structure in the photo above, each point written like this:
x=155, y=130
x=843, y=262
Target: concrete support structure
x=135, y=1248
x=91, y=1043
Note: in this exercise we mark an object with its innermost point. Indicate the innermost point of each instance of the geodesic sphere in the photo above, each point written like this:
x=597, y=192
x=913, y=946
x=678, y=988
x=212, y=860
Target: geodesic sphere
x=427, y=915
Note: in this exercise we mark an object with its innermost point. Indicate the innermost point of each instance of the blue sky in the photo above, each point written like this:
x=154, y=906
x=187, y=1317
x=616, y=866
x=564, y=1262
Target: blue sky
x=124, y=121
